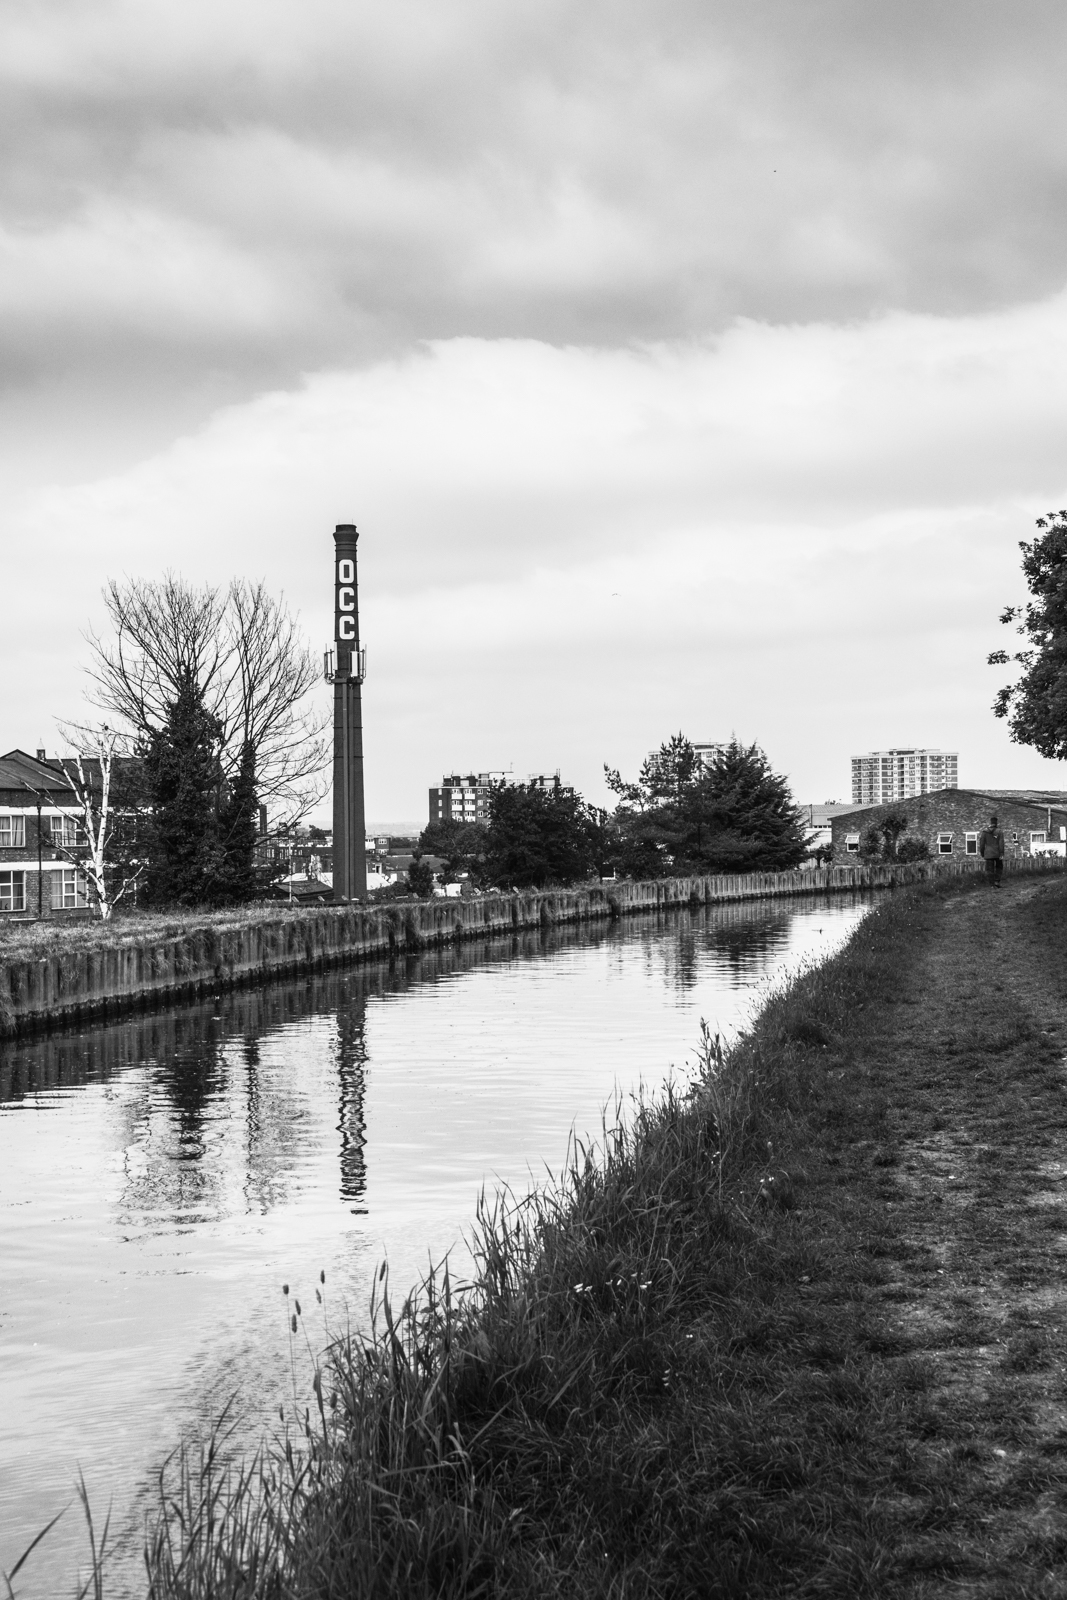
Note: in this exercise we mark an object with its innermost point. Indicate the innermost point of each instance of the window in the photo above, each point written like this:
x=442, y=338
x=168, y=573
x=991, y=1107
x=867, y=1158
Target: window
x=66, y=832
x=12, y=891
x=944, y=844
x=971, y=843
x=852, y=843
x=75, y=890
x=1037, y=838
x=12, y=832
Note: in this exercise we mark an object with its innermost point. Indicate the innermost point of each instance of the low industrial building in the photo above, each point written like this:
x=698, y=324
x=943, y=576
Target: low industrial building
x=949, y=821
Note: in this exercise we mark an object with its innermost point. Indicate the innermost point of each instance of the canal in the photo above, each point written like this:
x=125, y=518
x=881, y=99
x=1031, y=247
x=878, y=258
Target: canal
x=162, y=1177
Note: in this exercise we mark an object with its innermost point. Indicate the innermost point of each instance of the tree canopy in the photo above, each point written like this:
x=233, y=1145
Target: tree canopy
x=460, y=846
x=252, y=671
x=732, y=815
x=537, y=837
x=1036, y=704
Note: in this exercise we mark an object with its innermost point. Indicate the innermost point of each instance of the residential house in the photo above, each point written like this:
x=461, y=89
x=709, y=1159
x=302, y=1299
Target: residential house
x=39, y=832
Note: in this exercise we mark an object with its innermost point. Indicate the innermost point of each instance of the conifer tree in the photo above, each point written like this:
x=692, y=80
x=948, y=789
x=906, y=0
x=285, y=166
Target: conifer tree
x=184, y=784
x=237, y=834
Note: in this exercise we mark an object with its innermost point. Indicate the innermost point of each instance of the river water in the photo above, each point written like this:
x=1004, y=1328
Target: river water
x=162, y=1177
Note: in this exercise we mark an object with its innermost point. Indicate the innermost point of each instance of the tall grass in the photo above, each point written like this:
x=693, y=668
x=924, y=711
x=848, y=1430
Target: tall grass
x=616, y=1404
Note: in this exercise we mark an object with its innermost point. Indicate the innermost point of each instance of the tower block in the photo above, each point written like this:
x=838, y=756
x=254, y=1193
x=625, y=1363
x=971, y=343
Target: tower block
x=348, y=671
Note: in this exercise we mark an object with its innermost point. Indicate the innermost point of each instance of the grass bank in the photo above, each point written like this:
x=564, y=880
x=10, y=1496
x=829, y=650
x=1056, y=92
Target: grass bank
x=796, y=1331
x=37, y=940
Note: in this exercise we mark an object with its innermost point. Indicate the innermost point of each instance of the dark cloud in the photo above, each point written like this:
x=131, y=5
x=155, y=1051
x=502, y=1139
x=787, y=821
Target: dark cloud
x=252, y=191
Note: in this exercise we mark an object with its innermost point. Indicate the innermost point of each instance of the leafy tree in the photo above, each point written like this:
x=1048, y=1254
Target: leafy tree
x=460, y=845
x=420, y=878
x=888, y=840
x=1036, y=704
x=537, y=836
x=184, y=782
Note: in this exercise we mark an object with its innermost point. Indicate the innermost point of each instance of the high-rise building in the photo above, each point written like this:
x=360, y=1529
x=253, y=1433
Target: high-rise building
x=464, y=797
x=886, y=775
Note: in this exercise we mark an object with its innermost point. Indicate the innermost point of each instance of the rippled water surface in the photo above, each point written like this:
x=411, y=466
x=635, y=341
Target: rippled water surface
x=162, y=1177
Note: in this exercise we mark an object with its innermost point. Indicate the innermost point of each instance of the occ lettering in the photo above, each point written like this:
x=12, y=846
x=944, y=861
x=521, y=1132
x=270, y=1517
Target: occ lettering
x=346, y=601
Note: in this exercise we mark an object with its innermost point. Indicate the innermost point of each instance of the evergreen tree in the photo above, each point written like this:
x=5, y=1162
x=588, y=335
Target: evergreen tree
x=238, y=829
x=741, y=815
x=537, y=837
x=734, y=816
x=184, y=780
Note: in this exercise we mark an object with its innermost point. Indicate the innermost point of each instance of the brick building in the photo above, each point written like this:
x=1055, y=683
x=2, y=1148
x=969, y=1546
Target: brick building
x=38, y=833
x=950, y=821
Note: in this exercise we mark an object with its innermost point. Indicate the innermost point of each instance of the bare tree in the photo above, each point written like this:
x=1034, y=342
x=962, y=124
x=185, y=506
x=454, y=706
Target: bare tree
x=244, y=651
x=92, y=816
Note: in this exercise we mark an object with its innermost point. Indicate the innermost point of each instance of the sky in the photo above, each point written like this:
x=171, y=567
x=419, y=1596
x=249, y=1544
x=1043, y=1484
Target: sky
x=684, y=366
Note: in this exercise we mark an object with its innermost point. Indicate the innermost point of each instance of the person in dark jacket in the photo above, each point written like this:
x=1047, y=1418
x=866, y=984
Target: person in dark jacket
x=991, y=849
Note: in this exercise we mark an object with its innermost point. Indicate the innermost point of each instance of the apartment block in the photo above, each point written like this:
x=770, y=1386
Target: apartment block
x=887, y=775
x=464, y=797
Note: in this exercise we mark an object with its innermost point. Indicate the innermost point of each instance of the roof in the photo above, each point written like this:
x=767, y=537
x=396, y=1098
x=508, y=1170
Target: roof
x=21, y=771
x=820, y=816
x=1040, y=799
x=1034, y=797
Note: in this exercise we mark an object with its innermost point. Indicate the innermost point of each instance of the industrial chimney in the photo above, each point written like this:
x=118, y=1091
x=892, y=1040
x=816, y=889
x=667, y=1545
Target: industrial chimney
x=345, y=669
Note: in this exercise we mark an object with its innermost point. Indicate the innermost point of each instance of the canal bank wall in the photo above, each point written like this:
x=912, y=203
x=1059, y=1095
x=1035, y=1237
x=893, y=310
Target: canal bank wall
x=69, y=986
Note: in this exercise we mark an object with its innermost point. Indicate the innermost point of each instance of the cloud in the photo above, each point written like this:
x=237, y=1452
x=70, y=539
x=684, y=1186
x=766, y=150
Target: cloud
x=802, y=533
x=270, y=188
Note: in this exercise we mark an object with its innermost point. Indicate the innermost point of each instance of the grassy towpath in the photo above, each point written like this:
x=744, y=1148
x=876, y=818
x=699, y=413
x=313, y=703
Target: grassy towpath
x=802, y=1332
x=928, y=1331
x=967, y=1239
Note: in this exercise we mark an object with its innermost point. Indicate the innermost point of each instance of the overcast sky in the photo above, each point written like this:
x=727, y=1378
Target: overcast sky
x=687, y=366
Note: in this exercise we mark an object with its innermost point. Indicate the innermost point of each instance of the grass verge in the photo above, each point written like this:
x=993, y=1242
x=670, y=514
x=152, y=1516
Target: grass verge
x=22, y=941
x=750, y=1347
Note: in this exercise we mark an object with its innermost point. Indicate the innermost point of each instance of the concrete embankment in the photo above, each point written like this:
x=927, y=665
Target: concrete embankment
x=111, y=979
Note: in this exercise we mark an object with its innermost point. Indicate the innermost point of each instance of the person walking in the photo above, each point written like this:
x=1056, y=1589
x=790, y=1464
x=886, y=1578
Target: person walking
x=991, y=849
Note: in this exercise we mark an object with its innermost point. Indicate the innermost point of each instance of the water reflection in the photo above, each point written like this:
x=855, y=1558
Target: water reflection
x=351, y=1050
x=160, y=1178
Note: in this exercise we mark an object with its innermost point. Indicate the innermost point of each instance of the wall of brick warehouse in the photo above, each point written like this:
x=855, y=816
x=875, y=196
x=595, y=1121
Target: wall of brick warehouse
x=955, y=811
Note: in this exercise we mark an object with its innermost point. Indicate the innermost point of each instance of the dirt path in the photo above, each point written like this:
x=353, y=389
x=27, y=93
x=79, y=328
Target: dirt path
x=973, y=1176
